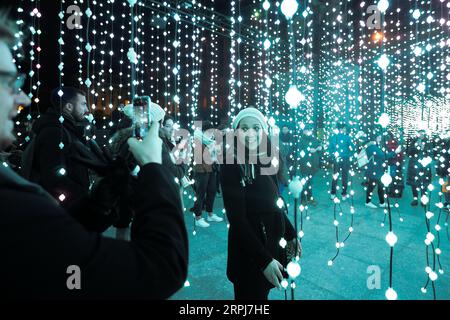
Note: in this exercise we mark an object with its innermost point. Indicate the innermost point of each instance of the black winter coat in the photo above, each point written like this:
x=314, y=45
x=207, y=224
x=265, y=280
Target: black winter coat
x=417, y=174
x=39, y=241
x=49, y=158
x=256, y=224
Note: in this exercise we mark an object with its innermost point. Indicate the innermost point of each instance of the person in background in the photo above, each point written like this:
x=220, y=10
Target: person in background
x=286, y=147
x=341, y=150
x=257, y=224
x=309, y=148
x=43, y=246
x=376, y=167
x=419, y=171
x=395, y=166
x=443, y=167
x=205, y=176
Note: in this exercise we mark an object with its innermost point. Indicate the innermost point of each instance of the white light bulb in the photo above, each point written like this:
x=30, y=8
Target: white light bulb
x=416, y=14
x=293, y=269
x=391, y=294
x=268, y=82
x=280, y=203
x=386, y=179
x=187, y=283
x=294, y=97
x=283, y=243
x=391, y=238
x=430, y=236
x=289, y=8
x=267, y=44
x=417, y=51
x=330, y=263
x=433, y=276
x=421, y=88
x=383, y=62
x=384, y=120
x=424, y=199
x=266, y=5
x=383, y=5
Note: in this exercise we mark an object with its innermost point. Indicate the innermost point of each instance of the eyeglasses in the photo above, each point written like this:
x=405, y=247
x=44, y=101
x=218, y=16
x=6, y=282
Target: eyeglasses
x=13, y=80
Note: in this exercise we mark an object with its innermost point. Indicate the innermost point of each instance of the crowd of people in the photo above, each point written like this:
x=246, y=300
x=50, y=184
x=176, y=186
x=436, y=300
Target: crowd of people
x=65, y=190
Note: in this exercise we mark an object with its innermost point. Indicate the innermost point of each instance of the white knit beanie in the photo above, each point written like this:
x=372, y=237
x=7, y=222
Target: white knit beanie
x=253, y=113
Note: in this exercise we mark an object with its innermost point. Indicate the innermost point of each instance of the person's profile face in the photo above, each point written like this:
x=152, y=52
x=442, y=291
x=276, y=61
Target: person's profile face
x=9, y=101
x=168, y=128
x=80, y=108
x=250, y=133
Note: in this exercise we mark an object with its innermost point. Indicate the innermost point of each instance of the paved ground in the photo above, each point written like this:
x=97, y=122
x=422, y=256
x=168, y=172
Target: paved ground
x=347, y=278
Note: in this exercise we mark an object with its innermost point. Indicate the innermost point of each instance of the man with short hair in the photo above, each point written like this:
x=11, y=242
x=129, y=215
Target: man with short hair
x=46, y=254
x=53, y=167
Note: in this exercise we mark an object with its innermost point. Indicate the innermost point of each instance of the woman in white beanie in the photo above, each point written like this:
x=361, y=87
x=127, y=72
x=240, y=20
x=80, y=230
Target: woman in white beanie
x=257, y=224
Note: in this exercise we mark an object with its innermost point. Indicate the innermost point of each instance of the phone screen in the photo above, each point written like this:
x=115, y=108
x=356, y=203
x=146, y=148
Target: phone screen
x=142, y=119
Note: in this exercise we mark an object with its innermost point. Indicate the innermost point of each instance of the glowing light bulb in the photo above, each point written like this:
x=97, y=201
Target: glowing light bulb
x=294, y=97
x=187, y=283
x=391, y=238
x=433, y=276
x=416, y=14
x=266, y=5
x=280, y=203
x=267, y=44
x=424, y=199
x=289, y=8
x=383, y=62
x=384, y=120
x=383, y=5
x=391, y=294
x=386, y=179
x=282, y=243
x=293, y=269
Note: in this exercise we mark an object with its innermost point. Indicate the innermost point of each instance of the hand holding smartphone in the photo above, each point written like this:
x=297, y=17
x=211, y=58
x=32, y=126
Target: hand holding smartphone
x=145, y=113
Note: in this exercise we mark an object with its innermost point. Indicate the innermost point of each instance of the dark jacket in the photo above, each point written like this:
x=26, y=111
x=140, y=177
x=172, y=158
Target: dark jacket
x=309, y=162
x=417, y=174
x=443, y=159
x=177, y=170
x=49, y=158
x=342, y=146
x=256, y=224
x=377, y=157
x=39, y=241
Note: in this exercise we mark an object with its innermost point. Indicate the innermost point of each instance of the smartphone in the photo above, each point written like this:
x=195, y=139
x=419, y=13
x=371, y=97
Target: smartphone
x=142, y=116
